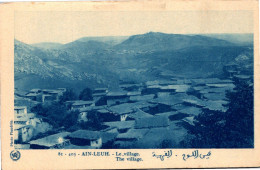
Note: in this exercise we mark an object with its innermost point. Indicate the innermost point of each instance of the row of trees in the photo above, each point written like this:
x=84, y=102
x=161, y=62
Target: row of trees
x=231, y=129
x=85, y=94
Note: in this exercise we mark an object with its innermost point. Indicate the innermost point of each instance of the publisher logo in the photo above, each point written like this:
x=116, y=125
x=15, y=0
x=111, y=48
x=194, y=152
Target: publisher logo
x=15, y=155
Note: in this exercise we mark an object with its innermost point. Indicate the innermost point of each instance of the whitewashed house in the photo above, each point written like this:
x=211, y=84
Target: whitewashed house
x=22, y=133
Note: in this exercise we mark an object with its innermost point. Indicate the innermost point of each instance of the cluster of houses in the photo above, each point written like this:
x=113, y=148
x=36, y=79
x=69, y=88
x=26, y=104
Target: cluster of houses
x=26, y=126
x=145, y=115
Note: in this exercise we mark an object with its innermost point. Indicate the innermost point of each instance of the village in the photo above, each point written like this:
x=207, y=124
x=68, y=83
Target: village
x=154, y=114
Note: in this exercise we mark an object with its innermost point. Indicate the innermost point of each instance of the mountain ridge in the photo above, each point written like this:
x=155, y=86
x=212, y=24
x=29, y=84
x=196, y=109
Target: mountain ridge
x=138, y=58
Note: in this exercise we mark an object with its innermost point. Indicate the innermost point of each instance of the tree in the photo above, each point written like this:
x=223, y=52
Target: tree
x=240, y=114
x=56, y=114
x=86, y=94
x=71, y=119
x=93, y=122
x=209, y=131
x=39, y=110
x=68, y=95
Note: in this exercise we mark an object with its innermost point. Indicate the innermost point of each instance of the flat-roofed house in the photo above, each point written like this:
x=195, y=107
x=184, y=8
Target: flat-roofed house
x=36, y=91
x=126, y=140
x=20, y=111
x=99, y=93
x=121, y=127
x=152, y=122
x=46, y=98
x=130, y=87
x=122, y=110
x=86, y=138
x=31, y=96
x=100, y=90
x=138, y=114
x=116, y=98
x=142, y=97
x=22, y=133
x=21, y=120
x=56, y=141
x=33, y=120
x=55, y=94
x=20, y=93
x=134, y=93
x=105, y=115
x=152, y=89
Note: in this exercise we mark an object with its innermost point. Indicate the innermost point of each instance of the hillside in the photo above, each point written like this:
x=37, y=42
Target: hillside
x=87, y=63
x=154, y=41
x=47, y=45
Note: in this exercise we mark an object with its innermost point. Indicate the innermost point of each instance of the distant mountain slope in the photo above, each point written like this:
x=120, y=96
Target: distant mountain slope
x=82, y=48
x=47, y=45
x=240, y=39
x=150, y=56
x=160, y=42
x=40, y=68
x=111, y=40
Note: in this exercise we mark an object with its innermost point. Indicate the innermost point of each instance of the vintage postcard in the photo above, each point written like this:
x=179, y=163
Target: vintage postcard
x=130, y=84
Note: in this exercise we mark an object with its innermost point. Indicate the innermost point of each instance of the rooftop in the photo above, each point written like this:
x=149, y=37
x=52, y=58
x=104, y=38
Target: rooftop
x=243, y=76
x=85, y=134
x=19, y=126
x=142, y=97
x=81, y=102
x=134, y=93
x=205, y=80
x=112, y=94
x=133, y=134
x=121, y=124
x=35, y=90
x=150, y=83
x=230, y=85
x=173, y=99
x=197, y=102
x=106, y=137
x=122, y=108
x=215, y=96
x=151, y=122
x=103, y=111
x=31, y=94
x=99, y=94
x=216, y=105
x=89, y=108
x=191, y=111
x=139, y=114
x=103, y=88
x=50, y=140
x=20, y=107
x=177, y=88
x=78, y=147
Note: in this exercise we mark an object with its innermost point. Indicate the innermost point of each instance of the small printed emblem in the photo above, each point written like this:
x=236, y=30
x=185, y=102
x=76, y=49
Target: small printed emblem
x=15, y=155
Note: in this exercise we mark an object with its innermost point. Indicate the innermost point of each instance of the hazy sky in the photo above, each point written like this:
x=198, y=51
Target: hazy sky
x=64, y=27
